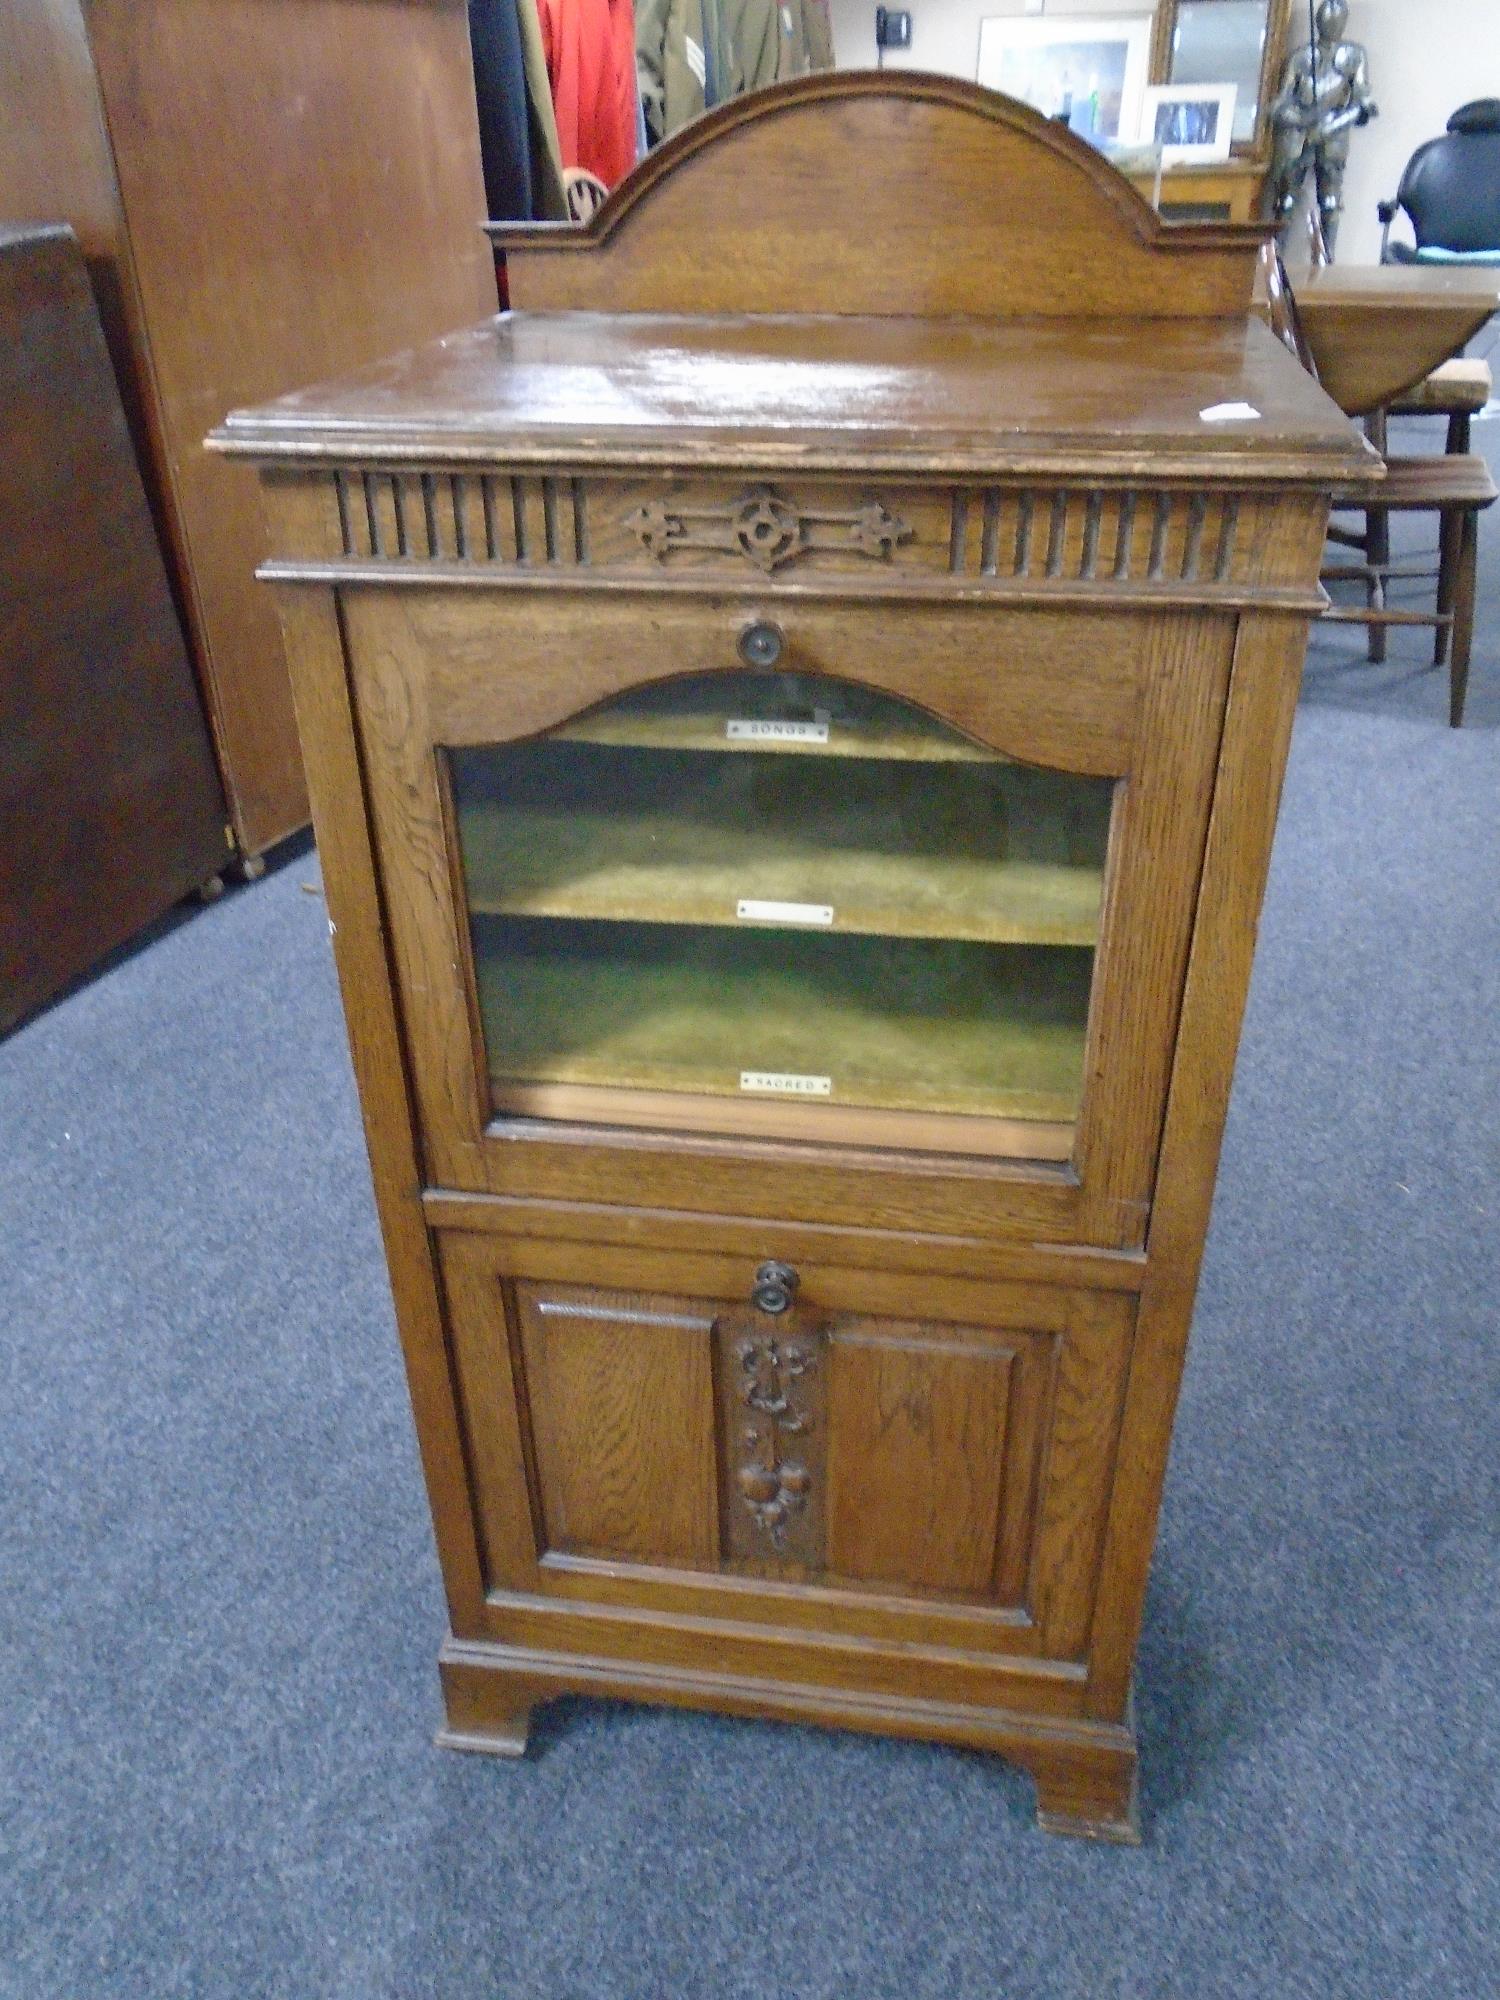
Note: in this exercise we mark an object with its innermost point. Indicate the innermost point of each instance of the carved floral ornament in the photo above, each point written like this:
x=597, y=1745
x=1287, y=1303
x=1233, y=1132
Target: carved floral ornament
x=773, y=1484
x=767, y=530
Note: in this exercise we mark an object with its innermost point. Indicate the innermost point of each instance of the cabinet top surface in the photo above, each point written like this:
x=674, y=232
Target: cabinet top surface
x=918, y=394
x=1003, y=303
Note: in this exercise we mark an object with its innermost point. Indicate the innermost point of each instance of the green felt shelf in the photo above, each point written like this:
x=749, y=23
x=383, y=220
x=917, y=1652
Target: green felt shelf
x=916, y=1025
x=989, y=852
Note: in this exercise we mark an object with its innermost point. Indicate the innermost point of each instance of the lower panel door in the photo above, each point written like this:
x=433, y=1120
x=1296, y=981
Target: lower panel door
x=893, y=1457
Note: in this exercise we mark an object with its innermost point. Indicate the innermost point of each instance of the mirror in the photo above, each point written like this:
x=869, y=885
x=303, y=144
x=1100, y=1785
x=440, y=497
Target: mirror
x=1223, y=41
x=1227, y=41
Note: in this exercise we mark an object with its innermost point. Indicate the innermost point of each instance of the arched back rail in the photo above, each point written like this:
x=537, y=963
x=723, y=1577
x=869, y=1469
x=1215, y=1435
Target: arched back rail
x=860, y=192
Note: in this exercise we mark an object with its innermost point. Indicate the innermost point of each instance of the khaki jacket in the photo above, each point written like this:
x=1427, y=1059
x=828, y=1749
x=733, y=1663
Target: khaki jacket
x=734, y=45
x=779, y=38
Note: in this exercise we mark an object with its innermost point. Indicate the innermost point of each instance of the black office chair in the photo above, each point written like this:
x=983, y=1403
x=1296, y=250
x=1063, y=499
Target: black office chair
x=1451, y=192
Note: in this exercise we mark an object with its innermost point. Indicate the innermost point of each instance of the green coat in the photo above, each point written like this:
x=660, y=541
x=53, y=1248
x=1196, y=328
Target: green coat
x=669, y=64
x=779, y=38
x=745, y=44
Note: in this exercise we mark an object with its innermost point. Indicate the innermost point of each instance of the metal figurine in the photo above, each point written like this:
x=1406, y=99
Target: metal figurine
x=1324, y=95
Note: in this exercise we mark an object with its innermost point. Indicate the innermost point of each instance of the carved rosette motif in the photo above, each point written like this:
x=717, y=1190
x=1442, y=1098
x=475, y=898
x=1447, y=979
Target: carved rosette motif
x=774, y=1482
x=1132, y=541
x=767, y=530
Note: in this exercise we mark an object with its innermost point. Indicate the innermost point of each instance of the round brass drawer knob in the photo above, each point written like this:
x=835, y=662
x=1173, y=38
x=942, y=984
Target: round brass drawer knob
x=762, y=644
x=775, y=1287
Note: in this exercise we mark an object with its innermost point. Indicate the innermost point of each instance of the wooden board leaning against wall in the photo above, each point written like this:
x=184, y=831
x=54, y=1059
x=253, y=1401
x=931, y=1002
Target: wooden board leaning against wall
x=267, y=192
x=109, y=804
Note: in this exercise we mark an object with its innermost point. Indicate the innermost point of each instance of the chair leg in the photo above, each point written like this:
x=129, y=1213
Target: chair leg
x=1377, y=556
x=1450, y=537
x=1458, y=431
x=1463, y=616
x=1377, y=550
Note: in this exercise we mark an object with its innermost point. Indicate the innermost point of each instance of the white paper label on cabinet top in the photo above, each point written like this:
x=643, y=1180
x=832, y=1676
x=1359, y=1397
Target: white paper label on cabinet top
x=758, y=731
x=779, y=1083
x=751, y=910
x=1229, y=413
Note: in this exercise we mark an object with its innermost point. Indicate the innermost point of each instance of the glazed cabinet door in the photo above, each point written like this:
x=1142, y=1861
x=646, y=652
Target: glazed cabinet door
x=791, y=907
x=899, y=1456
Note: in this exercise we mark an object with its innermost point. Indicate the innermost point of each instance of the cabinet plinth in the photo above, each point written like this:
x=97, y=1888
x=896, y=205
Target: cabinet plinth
x=795, y=779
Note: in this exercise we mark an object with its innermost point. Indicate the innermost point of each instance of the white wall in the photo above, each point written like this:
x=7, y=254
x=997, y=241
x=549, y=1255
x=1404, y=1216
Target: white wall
x=1426, y=58
x=944, y=33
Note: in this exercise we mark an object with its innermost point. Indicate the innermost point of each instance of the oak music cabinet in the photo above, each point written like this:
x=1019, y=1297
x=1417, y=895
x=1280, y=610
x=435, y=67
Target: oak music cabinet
x=795, y=714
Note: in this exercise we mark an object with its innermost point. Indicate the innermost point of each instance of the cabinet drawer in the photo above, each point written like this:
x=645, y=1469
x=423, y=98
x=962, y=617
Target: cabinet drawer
x=847, y=1450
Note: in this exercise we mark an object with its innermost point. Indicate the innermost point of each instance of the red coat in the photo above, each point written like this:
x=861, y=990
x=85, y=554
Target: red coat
x=590, y=48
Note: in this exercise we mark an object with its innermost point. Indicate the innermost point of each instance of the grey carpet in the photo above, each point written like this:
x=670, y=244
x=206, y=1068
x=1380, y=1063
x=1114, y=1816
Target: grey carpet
x=221, y=1605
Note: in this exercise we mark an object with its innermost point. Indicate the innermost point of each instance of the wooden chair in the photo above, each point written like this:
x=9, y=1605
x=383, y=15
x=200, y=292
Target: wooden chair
x=1458, y=390
x=1454, y=485
x=585, y=193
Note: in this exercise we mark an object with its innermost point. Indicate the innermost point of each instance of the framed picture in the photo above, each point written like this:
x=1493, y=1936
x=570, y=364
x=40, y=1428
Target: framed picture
x=1089, y=71
x=1190, y=122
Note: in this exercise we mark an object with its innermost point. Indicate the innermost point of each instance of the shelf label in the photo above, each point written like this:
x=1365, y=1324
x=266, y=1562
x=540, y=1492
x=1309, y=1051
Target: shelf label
x=780, y=1083
x=751, y=910
x=752, y=731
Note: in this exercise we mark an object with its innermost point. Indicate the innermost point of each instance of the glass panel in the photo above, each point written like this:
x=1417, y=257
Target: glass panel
x=1222, y=41
x=774, y=903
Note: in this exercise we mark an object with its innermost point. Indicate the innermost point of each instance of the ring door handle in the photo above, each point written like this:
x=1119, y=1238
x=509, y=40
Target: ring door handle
x=775, y=1287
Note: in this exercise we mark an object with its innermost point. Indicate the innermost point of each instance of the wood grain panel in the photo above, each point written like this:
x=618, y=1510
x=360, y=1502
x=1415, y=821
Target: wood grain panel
x=998, y=1433
x=620, y=1390
x=750, y=1238
x=1029, y=403
x=501, y=667
x=916, y=1456
x=109, y=805
x=1262, y=703
x=1071, y=235
x=1029, y=1413
x=1375, y=330
x=356, y=924
x=56, y=166
x=1160, y=826
x=1078, y=1468
x=491, y=1390
x=290, y=215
